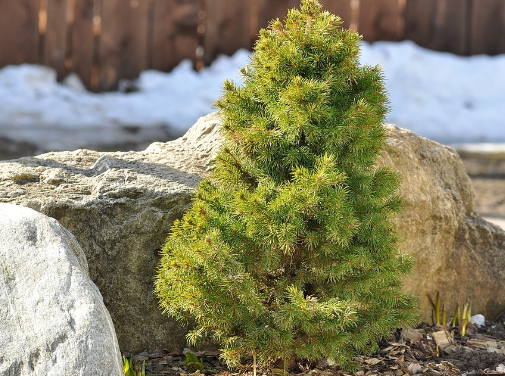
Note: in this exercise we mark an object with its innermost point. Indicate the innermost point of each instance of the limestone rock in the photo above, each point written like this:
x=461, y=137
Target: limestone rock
x=120, y=206
x=52, y=317
x=456, y=251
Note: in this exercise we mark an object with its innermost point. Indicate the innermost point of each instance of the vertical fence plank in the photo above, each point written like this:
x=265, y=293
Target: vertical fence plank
x=440, y=25
x=19, y=35
x=420, y=17
x=341, y=8
x=451, y=26
x=381, y=20
x=134, y=36
x=82, y=53
x=123, y=41
x=487, y=27
x=227, y=27
x=55, y=41
x=175, y=35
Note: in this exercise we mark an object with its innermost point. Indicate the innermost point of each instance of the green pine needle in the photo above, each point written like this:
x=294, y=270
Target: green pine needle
x=289, y=249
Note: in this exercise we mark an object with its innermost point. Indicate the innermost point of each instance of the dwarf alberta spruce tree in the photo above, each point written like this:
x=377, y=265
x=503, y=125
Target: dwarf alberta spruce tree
x=288, y=249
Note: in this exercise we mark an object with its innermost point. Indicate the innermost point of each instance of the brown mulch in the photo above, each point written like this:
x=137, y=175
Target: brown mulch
x=418, y=351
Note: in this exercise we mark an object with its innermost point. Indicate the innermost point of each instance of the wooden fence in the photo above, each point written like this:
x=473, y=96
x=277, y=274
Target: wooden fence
x=106, y=40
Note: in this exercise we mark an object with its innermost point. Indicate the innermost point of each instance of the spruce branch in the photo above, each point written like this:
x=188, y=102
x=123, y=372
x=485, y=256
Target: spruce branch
x=289, y=250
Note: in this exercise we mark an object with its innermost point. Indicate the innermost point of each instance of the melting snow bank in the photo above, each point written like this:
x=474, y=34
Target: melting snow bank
x=35, y=108
x=441, y=96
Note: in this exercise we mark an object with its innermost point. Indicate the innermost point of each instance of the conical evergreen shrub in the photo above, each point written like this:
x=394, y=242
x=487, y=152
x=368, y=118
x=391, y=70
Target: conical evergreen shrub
x=288, y=249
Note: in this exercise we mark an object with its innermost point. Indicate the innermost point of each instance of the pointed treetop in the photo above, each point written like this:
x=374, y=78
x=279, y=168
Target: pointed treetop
x=311, y=7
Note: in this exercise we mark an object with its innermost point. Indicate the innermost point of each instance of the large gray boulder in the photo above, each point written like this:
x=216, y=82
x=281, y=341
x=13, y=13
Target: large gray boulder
x=120, y=206
x=52, y=317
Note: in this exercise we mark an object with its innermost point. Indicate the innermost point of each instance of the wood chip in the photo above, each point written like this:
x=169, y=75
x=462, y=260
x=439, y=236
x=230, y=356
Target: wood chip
x=414, y=368
x=372, y=361
x=412, y=335
x=476, y=343
x=444, y=341
x=397, y=344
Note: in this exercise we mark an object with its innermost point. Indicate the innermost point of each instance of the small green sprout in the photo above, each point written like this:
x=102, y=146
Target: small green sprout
x=131, y=370
x=437, y=309
x=457, y=313
x=465, y=319
x=460, y=318
x=193, y=363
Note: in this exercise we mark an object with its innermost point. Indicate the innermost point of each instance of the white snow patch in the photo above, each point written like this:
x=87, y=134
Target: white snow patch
x=451, y=99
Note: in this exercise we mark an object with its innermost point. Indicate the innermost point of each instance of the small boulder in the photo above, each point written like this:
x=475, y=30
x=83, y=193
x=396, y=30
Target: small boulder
x=52, y=317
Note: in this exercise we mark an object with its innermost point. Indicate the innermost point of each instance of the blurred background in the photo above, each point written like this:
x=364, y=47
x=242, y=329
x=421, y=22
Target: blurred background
x=104, y=41
x=119, y=74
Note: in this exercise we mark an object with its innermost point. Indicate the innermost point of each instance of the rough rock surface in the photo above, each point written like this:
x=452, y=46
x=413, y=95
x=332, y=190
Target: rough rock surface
x=52, y=317
x=120, y=206
x=456, y=251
